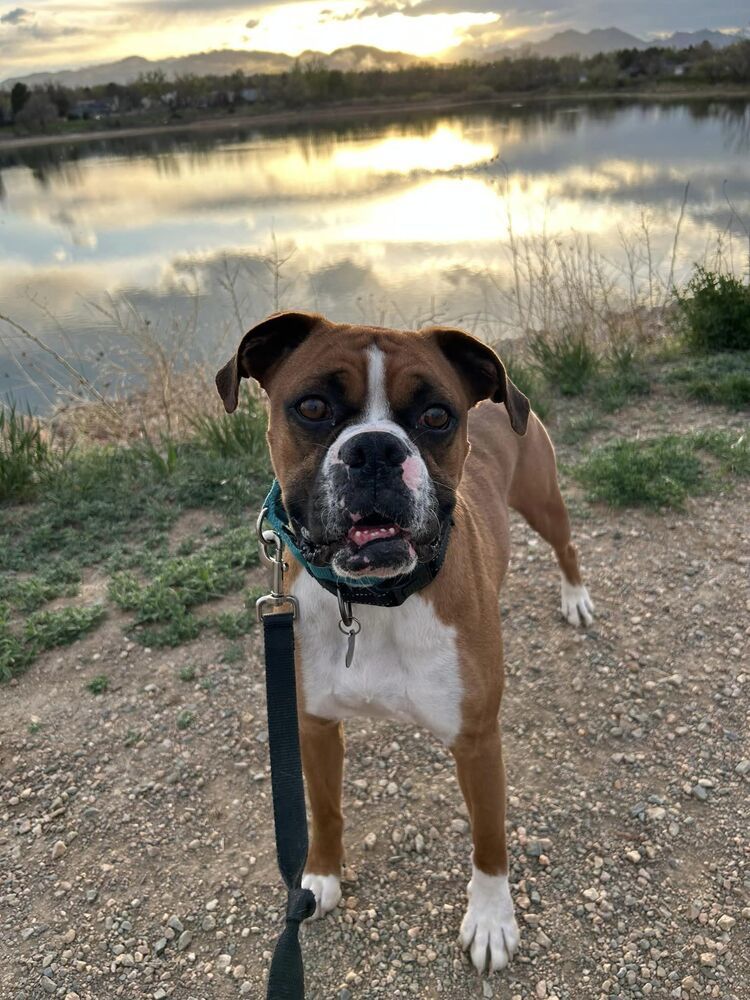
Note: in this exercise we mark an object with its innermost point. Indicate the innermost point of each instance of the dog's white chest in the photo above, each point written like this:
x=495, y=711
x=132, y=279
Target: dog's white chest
x=406, y=664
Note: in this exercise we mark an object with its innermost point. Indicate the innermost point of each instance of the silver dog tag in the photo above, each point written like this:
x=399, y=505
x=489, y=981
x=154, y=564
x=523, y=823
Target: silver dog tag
x=351, y=639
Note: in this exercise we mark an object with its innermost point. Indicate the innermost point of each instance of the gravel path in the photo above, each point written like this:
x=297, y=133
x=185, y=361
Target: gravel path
x=135, y=855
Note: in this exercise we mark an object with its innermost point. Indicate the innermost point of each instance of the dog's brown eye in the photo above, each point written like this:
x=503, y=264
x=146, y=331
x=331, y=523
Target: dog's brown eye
x=436, y=418
x=314, y=408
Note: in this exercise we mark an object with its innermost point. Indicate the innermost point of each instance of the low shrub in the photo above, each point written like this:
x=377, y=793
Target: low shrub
x=663, y=471
x=655, y=473
x=24, y=456
x=567, y=361
x=714, y=312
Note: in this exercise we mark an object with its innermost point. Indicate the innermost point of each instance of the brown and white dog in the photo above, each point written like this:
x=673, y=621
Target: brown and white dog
x=378, y=438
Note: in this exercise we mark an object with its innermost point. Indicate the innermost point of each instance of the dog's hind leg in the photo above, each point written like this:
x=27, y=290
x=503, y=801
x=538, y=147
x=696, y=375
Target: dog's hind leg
x=535, y=494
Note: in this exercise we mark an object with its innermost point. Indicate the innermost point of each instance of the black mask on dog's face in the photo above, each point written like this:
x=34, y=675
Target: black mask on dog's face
x=368, y=432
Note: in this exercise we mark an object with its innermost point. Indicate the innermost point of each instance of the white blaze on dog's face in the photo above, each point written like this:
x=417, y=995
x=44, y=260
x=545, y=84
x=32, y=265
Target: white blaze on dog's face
x=368, y=432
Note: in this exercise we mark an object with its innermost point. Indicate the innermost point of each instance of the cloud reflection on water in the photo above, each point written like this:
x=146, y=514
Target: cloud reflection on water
x=390, y=218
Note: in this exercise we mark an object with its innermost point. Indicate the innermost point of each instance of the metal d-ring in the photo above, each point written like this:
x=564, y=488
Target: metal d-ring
x=346, y=616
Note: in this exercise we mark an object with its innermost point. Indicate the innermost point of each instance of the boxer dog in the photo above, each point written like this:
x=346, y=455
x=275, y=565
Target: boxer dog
x=383, y=440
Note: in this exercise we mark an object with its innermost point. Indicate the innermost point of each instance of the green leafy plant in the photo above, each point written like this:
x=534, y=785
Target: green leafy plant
x=98, y=685
x=30, y=593
x=714, y=312
x=185, y=719
x=15, y=655
x=47, y=629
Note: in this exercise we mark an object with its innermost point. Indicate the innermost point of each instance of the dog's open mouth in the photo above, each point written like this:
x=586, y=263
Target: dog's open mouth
x=373, y=528
x=376, y=544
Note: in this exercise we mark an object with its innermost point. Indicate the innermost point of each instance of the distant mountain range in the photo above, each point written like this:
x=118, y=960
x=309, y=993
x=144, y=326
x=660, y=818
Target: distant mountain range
x=220, y=62
x=225, y=61
x=590, y=43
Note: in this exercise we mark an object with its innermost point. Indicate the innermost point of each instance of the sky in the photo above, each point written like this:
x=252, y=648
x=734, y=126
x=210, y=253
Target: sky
x=44, y=35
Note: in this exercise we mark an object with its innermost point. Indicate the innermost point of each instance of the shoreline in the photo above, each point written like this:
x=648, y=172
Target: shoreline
x=341, y=112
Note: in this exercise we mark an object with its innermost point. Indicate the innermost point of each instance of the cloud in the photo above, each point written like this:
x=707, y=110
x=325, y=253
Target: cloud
x=642, y=17
x=193, y=7
x=16, y=16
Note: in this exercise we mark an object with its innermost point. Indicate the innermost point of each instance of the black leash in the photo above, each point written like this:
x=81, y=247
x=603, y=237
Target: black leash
x=286, y=979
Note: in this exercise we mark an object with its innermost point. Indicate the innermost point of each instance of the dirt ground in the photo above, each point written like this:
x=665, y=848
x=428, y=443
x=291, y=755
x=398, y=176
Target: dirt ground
x=136, y=857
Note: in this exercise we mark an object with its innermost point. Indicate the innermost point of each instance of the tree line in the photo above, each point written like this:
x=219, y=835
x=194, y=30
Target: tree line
x=312, y=82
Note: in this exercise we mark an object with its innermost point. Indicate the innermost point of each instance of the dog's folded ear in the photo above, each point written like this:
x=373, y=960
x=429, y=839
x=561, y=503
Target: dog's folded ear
x=261, y=350
x=483, y=373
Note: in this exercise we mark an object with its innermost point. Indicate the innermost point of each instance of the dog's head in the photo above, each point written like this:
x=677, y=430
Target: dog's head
x=368, y=432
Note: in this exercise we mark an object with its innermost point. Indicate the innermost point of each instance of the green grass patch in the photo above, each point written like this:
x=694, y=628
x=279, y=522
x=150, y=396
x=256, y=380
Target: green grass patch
x=188, y=673
x=732, y=451
x=241, y=434
x=185, y=719
x=30, y=593
x=20, y=645
x=162, y=604
x=47, y=629
x=531, y=384
x=621, y=378
x=234, y=653
x=567, y=361
x=578, y=426
x=714, y=312
x=108, y=505
x=25, y=456
x=182, y=627
x=722, y=379
x=661, y=472
x=98, y=685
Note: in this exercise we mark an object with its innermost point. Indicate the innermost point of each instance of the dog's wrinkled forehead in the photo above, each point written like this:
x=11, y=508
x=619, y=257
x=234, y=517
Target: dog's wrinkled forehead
x=288, y=352
x=376, y=373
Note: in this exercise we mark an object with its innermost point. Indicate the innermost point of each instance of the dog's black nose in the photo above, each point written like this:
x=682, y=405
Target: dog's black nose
x=372, y=450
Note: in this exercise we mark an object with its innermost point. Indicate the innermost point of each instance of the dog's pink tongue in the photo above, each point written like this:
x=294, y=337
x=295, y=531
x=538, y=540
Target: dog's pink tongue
x=361, y=536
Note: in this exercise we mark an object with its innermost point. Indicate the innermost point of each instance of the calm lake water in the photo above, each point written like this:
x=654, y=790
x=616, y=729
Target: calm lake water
x=392, y=221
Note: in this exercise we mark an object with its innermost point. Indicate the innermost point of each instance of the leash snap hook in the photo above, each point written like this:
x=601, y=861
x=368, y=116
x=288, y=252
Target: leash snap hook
x=272, y=549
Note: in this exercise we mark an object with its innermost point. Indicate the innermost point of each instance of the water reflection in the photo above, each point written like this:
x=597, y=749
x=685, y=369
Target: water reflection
x=396, y=219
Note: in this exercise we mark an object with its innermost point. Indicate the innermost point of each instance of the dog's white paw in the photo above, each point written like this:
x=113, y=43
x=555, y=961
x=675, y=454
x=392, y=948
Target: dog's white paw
x=327, y=889
x=489, y=931
x=576, y=605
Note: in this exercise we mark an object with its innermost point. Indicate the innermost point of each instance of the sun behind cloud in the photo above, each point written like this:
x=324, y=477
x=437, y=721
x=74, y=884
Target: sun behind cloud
x=297, y=27
x=57, y=34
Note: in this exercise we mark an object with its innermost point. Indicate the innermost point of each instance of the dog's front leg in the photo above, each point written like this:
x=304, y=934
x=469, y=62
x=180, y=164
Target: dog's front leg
x=489, y=930
x=322, y=745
